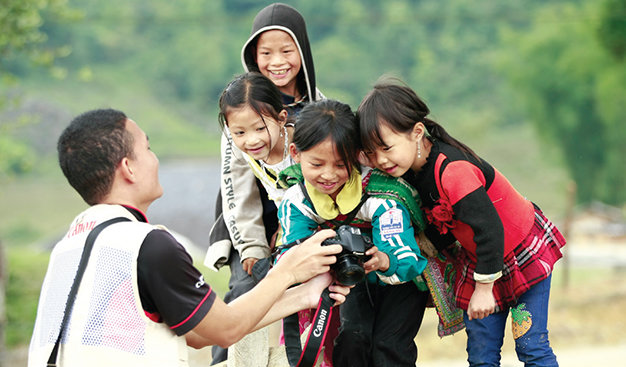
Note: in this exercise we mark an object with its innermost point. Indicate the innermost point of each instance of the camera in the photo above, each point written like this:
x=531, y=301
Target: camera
x=349, y=266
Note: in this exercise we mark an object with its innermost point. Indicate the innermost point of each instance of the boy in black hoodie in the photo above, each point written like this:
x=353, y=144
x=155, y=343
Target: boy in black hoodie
x=246, y=220
x=279, y=48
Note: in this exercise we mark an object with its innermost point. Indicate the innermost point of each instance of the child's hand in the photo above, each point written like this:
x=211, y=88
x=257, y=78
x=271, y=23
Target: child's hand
x=379, y=260
x=248, y=263
x=317, y=284
x=482, y=303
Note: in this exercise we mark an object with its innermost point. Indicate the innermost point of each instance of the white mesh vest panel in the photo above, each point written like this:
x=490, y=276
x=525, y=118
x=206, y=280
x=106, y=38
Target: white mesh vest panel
x=108, y=325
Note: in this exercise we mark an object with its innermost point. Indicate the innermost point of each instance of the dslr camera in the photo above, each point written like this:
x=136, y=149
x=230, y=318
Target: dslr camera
x=349, y=266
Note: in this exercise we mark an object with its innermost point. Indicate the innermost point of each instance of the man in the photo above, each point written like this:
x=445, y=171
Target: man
x=141, y=301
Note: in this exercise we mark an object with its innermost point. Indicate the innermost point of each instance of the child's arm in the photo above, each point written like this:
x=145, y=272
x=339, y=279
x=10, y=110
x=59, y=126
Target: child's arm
x=241, y=204
x=392, y=233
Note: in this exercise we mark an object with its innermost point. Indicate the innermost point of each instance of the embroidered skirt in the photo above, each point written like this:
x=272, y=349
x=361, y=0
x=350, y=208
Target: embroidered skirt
x=529, y=263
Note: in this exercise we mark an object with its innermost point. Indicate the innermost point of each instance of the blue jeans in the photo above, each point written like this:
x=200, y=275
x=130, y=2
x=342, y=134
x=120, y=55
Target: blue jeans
x=485, y=337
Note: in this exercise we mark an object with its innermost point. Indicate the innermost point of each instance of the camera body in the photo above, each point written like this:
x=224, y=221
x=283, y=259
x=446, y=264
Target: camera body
x=349, y=266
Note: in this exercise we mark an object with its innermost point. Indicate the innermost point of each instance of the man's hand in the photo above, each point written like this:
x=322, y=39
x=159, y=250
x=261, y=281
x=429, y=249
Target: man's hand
x=248, y=263
x=482, y=303
x=378, y=261
x=308, y=259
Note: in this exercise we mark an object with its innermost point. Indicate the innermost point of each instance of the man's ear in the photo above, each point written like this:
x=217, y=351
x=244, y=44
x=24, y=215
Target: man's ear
x=126, y=170
x=295, y=154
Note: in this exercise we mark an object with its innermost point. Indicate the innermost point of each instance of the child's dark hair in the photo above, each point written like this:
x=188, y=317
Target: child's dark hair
x=329, y=118
x=398, y=106
x=250, y=89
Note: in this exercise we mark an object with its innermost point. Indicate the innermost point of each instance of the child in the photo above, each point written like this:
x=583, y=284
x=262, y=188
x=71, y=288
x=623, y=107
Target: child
x=252, y=112
x=279, y=48
x=379, y=322
x=507, y=246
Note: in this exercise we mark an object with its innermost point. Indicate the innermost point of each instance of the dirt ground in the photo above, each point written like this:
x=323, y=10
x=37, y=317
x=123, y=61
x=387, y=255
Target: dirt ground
x=587, y=319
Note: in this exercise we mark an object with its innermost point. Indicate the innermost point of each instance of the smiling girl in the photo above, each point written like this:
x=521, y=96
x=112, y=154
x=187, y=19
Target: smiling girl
x=252, y=112
x=507, y=246
x=383, y=312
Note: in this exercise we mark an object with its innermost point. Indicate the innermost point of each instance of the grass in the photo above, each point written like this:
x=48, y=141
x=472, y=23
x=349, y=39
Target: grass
x=26, y=270
x=35, y=209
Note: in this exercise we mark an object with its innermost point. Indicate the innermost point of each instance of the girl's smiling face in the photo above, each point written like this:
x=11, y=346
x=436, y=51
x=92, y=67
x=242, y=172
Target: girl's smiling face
x=399, y=152
x=257, y=136
x=322, y=167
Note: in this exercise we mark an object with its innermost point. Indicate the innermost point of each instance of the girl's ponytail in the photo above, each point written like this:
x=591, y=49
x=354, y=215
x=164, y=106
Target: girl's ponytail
x=438, y=132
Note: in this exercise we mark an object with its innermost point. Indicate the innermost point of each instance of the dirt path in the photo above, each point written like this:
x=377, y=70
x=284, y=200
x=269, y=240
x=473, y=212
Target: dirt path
x=606, y=356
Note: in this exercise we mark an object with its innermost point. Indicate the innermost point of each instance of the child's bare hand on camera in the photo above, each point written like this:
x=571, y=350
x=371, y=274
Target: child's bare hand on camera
x=378, y=261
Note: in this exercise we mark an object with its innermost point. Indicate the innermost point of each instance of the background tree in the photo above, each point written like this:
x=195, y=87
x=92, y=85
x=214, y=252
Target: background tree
x=574, y=91
x=22, y=45
x=612, y=30
x=560, y=62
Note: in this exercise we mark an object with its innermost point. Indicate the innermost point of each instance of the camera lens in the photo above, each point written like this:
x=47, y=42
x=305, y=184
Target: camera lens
x=348, y=270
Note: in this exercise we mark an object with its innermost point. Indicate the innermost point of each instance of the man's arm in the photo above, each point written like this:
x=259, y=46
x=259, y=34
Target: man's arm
x=225, y=324
x=303, y=296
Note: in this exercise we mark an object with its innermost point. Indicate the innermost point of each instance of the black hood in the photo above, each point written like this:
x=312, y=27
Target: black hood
x=285, y=18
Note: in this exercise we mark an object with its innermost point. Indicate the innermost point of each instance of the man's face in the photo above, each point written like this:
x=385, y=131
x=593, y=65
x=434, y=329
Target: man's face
x=145, y=165
x=278, y=59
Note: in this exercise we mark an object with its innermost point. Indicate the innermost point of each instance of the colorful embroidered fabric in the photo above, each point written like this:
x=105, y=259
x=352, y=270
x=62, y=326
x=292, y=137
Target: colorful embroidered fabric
x=437, y=278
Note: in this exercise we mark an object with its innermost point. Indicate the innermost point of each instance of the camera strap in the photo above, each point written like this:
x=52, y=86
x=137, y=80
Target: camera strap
x=82, y=265
x=306, y=357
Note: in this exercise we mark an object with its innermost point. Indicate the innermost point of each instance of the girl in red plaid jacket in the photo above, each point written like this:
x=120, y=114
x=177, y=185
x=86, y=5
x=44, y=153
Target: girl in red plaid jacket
x=503, y=247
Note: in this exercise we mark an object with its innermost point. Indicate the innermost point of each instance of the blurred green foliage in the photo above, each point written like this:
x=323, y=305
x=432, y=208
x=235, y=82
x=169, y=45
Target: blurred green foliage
x=479, y=65
x=574, y=90
x=612, y=28
x=28, y=267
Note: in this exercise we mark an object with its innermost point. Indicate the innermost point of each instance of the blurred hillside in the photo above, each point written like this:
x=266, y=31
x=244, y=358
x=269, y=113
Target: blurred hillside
x=489, y=71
